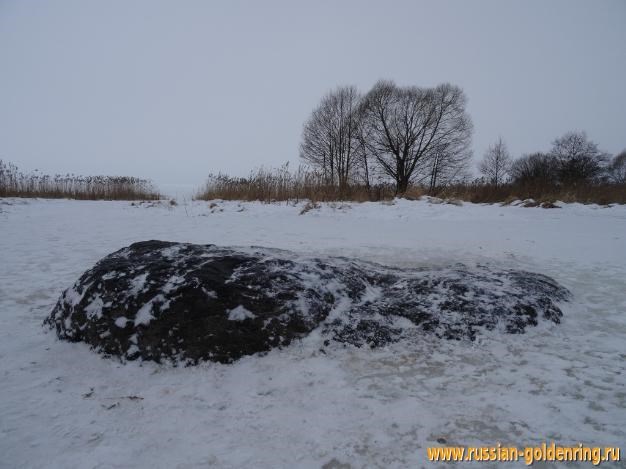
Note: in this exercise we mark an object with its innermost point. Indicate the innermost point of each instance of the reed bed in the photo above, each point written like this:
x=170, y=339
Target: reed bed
x=599, y=193
x=274, y=185
x=281, y=184
x=14, y=183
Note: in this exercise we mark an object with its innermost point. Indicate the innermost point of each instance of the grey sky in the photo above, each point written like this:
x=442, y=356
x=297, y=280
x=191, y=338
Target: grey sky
x=175, y=90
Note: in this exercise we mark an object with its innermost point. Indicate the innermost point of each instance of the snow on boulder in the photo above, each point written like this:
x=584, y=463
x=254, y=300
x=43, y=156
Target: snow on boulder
x=159, y=300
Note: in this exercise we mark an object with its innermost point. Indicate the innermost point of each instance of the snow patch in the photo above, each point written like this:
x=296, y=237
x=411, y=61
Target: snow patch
x=121, y=322
x=240, y=314
x=297, y=406
x=146, y=312
x=94, y=309
x=138, y=284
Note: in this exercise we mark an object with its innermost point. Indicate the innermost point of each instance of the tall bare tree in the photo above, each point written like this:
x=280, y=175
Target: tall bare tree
x=496, y=164
x=445, y=167
x=329, y=137
x=405, y=127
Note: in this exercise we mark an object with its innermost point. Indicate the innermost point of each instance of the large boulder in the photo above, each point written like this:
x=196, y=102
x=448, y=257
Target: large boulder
x=159, y=300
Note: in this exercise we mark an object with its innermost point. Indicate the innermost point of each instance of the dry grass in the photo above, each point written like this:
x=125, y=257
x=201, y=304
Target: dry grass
x=14, y=183
x=273, y=185
x=602, y=194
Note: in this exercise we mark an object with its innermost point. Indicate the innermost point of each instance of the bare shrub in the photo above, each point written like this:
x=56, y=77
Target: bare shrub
x=535, y=170
x=579, y=160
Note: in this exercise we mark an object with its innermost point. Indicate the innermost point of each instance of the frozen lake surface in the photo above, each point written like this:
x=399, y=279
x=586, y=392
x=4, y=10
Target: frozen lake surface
x=61, y=405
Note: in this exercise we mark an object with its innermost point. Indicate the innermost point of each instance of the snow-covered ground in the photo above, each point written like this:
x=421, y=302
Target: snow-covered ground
x=63, y=406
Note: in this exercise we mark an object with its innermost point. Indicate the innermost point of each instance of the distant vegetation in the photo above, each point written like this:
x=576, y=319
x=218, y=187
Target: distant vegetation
x=573, y=170
x=14, y=183
x=274, y=185
x=406, y=136
x=281, y=184
x=389, y=142
x=479, y=192
x=407, y=141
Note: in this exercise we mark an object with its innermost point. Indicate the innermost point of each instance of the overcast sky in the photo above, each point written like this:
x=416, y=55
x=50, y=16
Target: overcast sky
x=175, y=90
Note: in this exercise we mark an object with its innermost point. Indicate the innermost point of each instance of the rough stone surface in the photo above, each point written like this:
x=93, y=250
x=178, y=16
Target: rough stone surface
x=159, y=300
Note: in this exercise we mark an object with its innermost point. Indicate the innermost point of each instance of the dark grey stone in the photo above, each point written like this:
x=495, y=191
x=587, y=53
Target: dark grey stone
x=159, y=300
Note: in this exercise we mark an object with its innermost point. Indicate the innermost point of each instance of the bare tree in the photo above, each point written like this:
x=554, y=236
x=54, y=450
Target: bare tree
x=496, y=164
x=617, y=169
x=329, y=137
x=579, y=159
x=364, y=156
x=444, y=167
x=406, y=127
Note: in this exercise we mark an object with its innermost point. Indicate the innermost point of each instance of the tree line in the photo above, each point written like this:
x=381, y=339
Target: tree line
x=422, y=136
x=572, y=161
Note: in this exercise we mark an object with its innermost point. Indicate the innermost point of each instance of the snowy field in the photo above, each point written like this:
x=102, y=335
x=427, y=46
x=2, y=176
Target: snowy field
x=62, y=406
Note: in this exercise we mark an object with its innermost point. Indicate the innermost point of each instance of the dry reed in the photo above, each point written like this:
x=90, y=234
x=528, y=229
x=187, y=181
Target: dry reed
x=14, y=183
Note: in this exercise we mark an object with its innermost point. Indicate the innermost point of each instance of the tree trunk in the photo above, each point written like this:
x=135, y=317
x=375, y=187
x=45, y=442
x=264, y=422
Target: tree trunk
x=402, y=184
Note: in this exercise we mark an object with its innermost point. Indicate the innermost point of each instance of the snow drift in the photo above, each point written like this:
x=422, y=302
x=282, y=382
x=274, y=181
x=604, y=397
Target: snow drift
x=183, y=302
